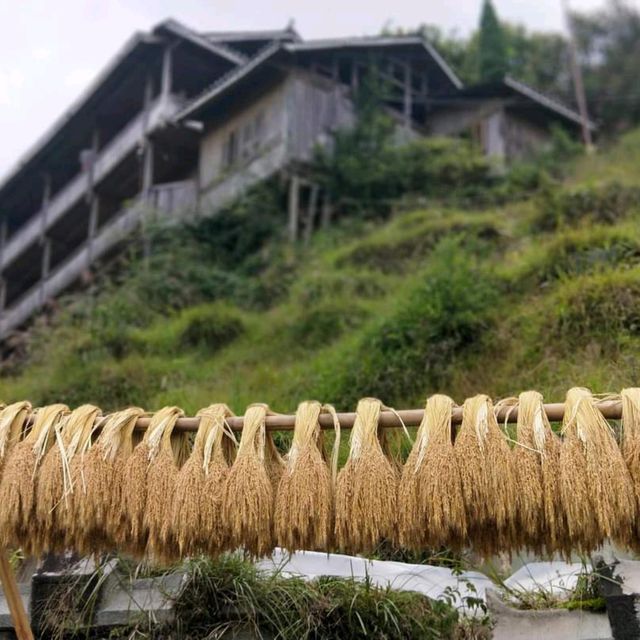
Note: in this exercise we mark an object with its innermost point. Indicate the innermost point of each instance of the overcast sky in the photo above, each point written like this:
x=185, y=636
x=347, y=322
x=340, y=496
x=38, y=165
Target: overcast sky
x=51, y=49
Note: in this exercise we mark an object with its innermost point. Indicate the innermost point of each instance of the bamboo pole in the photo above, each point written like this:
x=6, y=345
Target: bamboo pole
x=12, y=594
x=610, y=409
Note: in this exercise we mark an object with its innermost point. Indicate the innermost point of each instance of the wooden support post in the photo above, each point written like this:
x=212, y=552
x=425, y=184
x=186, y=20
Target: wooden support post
x=46, y=198
x=311, y=213
x=294, y=207
x=12, y=594
x=4, y=231
x=46, y=266
x=147, y=169
x=326, y=210
x=94, y=214
x=354, y=75
x=167, y=70
x=3, y=294
x=407, y=107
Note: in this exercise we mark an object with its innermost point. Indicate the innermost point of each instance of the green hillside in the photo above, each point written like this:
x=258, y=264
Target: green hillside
x=541, y=291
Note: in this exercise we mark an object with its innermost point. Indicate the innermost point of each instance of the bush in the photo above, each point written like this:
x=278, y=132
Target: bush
x=209, y=328
x=206, y=328
x=414, y=350
x=605, y=307
x=605, y=204
x=323, y=323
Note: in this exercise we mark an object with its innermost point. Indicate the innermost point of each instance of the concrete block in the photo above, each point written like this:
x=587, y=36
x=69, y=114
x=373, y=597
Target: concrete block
x=550, y=624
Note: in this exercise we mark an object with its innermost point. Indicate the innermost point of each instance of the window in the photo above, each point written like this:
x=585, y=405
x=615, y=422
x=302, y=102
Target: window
x=245, y=141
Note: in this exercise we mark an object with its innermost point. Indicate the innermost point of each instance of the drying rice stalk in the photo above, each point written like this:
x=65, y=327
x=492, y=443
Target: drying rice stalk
x=430, y=501
x=185, y=521
x=134, y=532
x=304, y=499
x=54, y=482
x=17, y=488
x=540, y=517
x=12, y=424
x=162, y=474
x=366, y=490
x=218, y=454
x=488, y=479
x=101, y=472
x=248, y=493
x=597, y=489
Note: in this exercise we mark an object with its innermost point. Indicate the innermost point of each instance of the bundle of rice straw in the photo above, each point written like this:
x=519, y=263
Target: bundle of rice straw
x=12, y=423
x=17, y=488
x=304, y=498
x=162, y=474
x=248, y=494
x=366, y=489
x=99, y=490
x=541, y=523
x=597, y=489
x=488, y=480
x=185, y=521
x=219, y=454
x=631, y=443
x=54, y=481
x=147, y=486
x=430, y=501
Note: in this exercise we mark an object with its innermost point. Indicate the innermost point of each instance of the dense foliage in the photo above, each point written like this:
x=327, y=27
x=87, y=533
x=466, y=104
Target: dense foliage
x=608, y=42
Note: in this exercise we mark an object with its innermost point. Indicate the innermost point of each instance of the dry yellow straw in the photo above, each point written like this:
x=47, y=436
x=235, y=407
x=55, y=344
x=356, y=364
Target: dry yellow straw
x=631, y=445
x=135, y=530
x=597, y=490
x=430, y=502
x=488, y=481
x=17, y=489
x=95, y=501
x=248, y=493
x=218, y=455
x=304, y=499
x=54, y=481
x=541, y=523
x=366, y=490
x=185, y=522
x=162, y=474
x=12, y=424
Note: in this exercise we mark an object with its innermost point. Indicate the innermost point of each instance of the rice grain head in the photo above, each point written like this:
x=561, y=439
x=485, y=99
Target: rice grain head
x=12, y=425
x=133, y=532
x=55, y=478
x=304, y=498
x=366, y=488
x=218, y=455
x=162, y=473
x=248, y=493
x=540, y=518
x=597, y=488
x=631, y=447
x=430, y=500
x=184, y=523
x=102, y=468
x=488, y=478
x=17, y=487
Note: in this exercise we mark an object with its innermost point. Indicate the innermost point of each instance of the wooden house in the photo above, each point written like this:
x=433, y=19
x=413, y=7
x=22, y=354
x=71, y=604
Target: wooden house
x=182, y=121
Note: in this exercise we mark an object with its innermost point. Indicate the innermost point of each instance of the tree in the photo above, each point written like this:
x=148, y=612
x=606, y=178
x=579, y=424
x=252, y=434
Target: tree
x=492, y=48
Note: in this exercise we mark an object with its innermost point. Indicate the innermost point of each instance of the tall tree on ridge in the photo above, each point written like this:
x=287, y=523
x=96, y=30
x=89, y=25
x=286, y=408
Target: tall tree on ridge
x=492, y=46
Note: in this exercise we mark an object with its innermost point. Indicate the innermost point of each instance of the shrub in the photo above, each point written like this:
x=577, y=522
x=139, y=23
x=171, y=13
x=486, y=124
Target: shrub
x=322, y=323
x=209, y=328
x=605, y=204
x=413, y=350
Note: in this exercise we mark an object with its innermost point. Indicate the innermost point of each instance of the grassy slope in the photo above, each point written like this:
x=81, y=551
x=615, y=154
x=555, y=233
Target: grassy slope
x=434, y=300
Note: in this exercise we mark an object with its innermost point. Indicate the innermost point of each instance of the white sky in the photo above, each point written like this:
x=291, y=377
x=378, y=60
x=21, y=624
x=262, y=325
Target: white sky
x=51, y=49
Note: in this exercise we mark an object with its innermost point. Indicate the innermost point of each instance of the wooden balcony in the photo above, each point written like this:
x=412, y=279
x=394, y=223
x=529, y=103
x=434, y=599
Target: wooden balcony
x=171, y=201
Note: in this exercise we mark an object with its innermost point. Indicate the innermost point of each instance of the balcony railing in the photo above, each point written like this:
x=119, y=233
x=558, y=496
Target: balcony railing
x=108, y=158
x=174, y=199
